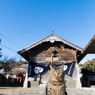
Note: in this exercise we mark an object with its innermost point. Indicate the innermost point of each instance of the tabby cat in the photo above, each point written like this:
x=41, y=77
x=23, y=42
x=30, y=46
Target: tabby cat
x=56, y=82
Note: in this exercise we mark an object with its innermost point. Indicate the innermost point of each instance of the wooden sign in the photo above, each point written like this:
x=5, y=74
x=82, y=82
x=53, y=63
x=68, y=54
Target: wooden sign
x=49, y=59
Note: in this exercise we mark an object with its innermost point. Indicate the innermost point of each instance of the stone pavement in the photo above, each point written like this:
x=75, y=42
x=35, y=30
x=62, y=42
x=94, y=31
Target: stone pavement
x=41, y=91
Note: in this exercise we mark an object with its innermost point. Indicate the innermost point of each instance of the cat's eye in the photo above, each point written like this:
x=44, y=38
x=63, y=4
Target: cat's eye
x=58, y=73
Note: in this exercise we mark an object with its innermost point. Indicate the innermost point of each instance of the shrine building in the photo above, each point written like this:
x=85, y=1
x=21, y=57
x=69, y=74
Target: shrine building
x=41, y=52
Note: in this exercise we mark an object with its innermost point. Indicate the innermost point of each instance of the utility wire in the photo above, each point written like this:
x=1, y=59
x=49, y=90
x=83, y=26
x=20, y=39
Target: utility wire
x=9, y=41
x=11, y=50
x=8, y=48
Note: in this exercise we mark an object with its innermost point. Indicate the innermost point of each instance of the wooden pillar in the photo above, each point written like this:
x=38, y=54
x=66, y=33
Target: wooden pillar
x=52, y=60
x=25, y=84
x=78, y=77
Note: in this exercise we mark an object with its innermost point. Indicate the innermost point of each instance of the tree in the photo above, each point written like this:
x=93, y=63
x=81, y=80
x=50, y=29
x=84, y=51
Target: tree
x=0, y=50
x=10, y=64
x=88, y=68
x=80, y=65
x=0, y=55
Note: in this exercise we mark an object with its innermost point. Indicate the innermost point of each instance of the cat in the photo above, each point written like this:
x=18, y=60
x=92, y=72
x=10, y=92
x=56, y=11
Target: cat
x=56, y=82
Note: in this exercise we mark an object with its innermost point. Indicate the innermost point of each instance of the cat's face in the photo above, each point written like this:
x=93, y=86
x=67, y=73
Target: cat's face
x=57, y=73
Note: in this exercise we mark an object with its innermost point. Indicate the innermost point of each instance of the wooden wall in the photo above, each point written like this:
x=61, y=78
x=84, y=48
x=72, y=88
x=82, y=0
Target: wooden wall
x=43, y=52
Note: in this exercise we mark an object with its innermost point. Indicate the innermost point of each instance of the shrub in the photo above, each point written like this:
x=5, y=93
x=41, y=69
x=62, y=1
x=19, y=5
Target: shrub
x=88, y=68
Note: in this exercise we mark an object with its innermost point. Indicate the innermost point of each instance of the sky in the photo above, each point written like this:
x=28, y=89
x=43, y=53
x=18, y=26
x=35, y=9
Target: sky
x=24, y=22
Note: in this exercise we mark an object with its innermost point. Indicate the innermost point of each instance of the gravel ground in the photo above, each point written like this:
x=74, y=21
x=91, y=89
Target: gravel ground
x=41, y=91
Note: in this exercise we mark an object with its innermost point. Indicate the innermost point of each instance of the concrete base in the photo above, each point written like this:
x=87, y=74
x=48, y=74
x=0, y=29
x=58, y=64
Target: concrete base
x=32, y=84
x=70, y=84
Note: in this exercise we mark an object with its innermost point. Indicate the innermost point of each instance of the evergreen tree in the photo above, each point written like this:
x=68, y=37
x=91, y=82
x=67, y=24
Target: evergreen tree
x=0, y=49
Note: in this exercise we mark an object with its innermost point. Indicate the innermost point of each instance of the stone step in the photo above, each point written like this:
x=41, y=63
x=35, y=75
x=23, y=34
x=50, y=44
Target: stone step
x=41, y=91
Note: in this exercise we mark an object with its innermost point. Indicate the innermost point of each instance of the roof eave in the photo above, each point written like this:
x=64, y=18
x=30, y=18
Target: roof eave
x=85, y=50
x=46, y=39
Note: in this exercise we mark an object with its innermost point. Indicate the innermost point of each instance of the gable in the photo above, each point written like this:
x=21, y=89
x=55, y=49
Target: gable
x=51, y=38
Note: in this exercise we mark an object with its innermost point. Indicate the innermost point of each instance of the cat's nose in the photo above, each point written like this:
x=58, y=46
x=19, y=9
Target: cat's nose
x=57, y=77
